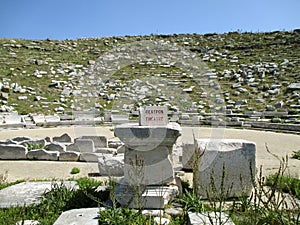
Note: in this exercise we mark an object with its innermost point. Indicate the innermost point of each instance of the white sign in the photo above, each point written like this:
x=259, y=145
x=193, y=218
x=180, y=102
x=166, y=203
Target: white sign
x=153, y=116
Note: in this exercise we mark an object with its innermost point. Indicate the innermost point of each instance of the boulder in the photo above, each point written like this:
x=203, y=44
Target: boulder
x=99, y=141
x=42, y=154
x=69, y=156
x=21, y=138
x=82, y=145
x=65, y=138
x=56, y=146
x=111, y=165
x=13, y=152
x=227, y=162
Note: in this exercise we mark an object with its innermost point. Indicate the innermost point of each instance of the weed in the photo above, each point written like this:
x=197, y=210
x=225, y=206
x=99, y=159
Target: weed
x=296, y=155
x=285, y=183
x=33, y=146
x=75, y=170
x=123, y=216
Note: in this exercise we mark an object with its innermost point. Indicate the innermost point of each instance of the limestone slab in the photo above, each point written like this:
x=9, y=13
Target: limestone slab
x=228, y=161
x=84, y=216
x=151, y=197
x=111, y=165
x=56, y=146
x=82, y=145
x=42, y=154
x=13, y=119
x=119, y=119
x=69, y=156
x=64, y=138
x=99, y=141
x=27, y=193
x=39, y=119
x=89, y=156
x=52, y=119
x=212, y=218
x=21, y=138
x=13, y=151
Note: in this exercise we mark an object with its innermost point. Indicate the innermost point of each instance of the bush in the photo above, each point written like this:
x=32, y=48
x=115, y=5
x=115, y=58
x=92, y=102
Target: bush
x=75, y=170
x=296, y=155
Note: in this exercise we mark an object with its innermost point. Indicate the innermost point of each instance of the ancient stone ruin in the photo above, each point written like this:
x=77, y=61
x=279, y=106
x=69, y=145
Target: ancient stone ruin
x=148, y=168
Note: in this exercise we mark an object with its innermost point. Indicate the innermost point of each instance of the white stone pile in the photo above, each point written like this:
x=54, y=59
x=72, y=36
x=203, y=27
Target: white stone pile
x=62, y=148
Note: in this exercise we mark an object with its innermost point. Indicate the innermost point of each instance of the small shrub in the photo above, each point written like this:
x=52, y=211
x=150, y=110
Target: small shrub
x=75, y=170
x=191, y=202
x=296, y=155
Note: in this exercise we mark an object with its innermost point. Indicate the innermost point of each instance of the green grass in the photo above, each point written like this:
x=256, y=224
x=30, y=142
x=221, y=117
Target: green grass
x=58, y=200
x=287, y=184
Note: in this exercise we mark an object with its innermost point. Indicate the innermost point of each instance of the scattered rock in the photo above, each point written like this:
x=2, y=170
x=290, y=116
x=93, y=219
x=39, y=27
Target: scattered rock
x=42, y=154
x=65, y=138
x=55, y=146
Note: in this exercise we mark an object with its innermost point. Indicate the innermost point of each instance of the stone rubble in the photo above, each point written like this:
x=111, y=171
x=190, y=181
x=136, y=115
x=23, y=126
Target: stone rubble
x=78, y=85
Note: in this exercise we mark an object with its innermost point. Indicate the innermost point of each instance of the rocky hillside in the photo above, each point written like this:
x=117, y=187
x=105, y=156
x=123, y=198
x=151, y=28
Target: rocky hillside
x=256, y=72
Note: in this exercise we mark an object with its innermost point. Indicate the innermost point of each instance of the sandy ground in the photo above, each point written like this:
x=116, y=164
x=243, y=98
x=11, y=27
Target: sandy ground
x=280, y=144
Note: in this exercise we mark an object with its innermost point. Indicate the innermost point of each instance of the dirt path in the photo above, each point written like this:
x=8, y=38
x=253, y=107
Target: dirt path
x=279, y=143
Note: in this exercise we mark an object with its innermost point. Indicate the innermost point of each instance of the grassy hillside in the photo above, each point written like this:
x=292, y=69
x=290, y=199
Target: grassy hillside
x=254, y=70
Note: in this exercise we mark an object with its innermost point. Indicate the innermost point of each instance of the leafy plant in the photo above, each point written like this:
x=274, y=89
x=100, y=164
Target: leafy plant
x=33, y=146
x=296, y=155
x=75, y=170
x=191, y=202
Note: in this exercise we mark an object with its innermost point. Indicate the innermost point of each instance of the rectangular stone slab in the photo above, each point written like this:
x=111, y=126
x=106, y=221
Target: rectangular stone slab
x=196, y=218
x=87, y=216
x=26, y=193
x=228, y=161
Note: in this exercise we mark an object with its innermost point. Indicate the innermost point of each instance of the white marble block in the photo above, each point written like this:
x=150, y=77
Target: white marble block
x=230, y=162
x=148, y=167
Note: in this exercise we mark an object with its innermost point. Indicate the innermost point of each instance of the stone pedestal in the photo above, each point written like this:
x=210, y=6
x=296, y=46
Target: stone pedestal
x=224, y=167
x=148, y=160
